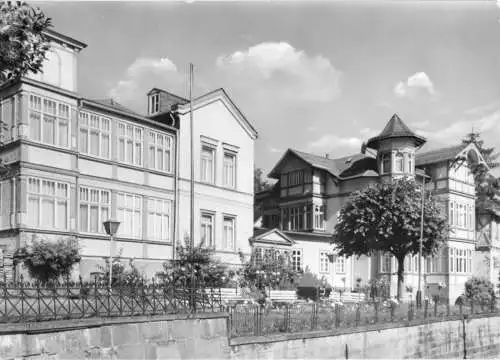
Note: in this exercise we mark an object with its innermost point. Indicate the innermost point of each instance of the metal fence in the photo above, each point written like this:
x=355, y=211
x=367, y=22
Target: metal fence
x=21, y=301
x=255, y=320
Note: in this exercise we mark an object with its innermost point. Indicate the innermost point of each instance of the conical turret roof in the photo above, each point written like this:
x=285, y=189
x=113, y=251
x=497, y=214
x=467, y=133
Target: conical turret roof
x=395, y=128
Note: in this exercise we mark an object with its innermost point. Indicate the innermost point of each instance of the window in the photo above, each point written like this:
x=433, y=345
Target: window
x=48, y=204
x=451, y=255
x=129, y=213
x=340, y=265
x=296, y=218
x=410, y=163
x=296, y=178
x=208, y=164
x=207, y=229
x=257, y=256
x=159, y=219
x=95, y=207
x=318, y=217
x=297, y=260
x=385, y=263
x=386, y=163
x=455, y=219
x=95, y=134
x=229, y=175
x=130, y=139
x=433, y=264
x=160, y=151
x=451, y=206
x=154, y=103
x=229, y=233
x=323, y=262
x=48, y=121
x=400, y=162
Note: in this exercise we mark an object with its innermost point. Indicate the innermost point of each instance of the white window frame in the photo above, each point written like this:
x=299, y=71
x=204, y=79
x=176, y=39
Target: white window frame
x=133, y=204
x=154, y=103
x=87, y=127
x=340, y=265
x=160, y=143
x=204, y=172
x=40, y=196
x=207, y=215
x=159, y=210
x=385, y=262
x=399, y=162
x=225, y=243
x=319, y=217
x=58, y=118
x=297, y=259
x=90, y=203
x=136, y=139
x=324, y=262
x=226, y=173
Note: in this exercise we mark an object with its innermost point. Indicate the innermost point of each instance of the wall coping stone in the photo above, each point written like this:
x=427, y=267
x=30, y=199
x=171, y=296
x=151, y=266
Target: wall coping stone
x=247, y=340
x=52, y=326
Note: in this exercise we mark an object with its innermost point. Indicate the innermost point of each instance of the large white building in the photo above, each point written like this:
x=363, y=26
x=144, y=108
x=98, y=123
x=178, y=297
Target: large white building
x=70, y=163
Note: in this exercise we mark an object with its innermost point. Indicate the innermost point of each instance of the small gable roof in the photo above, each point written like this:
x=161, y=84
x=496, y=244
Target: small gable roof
x=446, y=154
x=395, y=128
x=271, y=236
x=346, y=166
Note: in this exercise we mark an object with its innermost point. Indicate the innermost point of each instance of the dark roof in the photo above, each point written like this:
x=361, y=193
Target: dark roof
x=395, y=128
x=64, y=38
x=438, y=155
x=114, y=105
x=340, y=167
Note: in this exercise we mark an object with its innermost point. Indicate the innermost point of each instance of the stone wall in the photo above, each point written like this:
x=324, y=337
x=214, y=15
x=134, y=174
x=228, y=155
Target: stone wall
x=205, y=336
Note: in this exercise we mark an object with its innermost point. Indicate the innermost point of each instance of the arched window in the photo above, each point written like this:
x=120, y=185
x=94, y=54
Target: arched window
x=386, y=163
x=400, y=162
x=318, y=217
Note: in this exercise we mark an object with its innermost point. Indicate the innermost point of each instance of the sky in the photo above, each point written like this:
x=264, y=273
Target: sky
x=315, y=76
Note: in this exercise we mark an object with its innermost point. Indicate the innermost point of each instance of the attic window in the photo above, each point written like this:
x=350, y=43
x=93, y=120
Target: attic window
x=154, y=103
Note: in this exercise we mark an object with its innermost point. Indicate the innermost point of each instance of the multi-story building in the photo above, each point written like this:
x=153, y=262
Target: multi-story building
x=299, y=213
x=69, y=163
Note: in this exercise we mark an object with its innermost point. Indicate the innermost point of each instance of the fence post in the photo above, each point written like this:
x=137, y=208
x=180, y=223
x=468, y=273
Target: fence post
x=337, y=315
x=393, y=307
x=448, y=308
x=68, y=295
x=109, y=301
x=426, y=306
x=95, y=296
x=358, y=314
x=82, y=294
x=435, y=307
x=410, y=311
x=375, y=304
x=287, y=310
x=22, y=297
x=38, y=315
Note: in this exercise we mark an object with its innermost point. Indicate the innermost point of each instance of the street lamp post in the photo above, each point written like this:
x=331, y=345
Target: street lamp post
x=111, y=227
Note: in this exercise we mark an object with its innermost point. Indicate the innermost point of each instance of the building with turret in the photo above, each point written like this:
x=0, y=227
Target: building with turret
x=299, y=213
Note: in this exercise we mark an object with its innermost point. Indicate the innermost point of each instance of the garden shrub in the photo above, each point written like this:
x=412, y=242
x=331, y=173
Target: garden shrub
x=49, y=260
x=479, y=290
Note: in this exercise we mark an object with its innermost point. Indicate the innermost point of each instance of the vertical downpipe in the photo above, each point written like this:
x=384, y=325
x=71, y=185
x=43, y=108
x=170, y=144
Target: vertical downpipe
x=176, y=185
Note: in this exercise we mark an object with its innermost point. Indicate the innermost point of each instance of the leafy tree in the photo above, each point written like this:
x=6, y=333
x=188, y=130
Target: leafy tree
x=121, y=273
x=386, y=218
x=479, y=290
x=194, y=267
x=487, y=185
x=48, y=261
x=22, y=42
x=272, y=271
x=259, y=183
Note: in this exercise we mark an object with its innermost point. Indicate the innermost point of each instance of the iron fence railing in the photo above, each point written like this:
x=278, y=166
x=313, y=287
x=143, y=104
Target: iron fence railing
x=21, y=301
x=256, y=320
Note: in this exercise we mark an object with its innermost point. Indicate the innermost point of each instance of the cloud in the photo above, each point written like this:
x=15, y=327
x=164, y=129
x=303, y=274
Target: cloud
x=141, y=76
x=368, y=133
x=416, y=85
x=487, y=125
x=329, y=142
x=421, y=124
x=279, y=69
x=275, y=150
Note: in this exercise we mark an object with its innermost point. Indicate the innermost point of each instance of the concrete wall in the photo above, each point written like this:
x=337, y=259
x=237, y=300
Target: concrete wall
x=206, y=337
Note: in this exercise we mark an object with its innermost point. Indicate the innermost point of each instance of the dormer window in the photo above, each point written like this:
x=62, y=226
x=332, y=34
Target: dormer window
x=399, y=162
x=385, y=163
x=154, y=103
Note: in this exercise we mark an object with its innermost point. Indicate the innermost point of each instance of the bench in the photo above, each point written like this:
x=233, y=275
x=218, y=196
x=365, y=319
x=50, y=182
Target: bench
x=347, y=296
x=283, y=295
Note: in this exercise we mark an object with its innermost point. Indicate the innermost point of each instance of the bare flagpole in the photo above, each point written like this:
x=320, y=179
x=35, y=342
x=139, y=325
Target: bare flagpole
x=191, y=76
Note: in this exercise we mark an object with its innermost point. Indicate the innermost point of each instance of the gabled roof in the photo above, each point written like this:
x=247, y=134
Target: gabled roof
x=169, y=97
x=337, y=167
x=271, y=236
x=438, y=155
x=220, y=94
x=395, y=128
x=54, y=35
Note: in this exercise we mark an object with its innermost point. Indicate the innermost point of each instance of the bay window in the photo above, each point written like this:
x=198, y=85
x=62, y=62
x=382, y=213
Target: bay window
x=95, y=208
x=130, y=139
x=399, y=162
x=129, y=213
x=48, y=204
x=48, y=121
x=159, y=219
x=160, y=151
